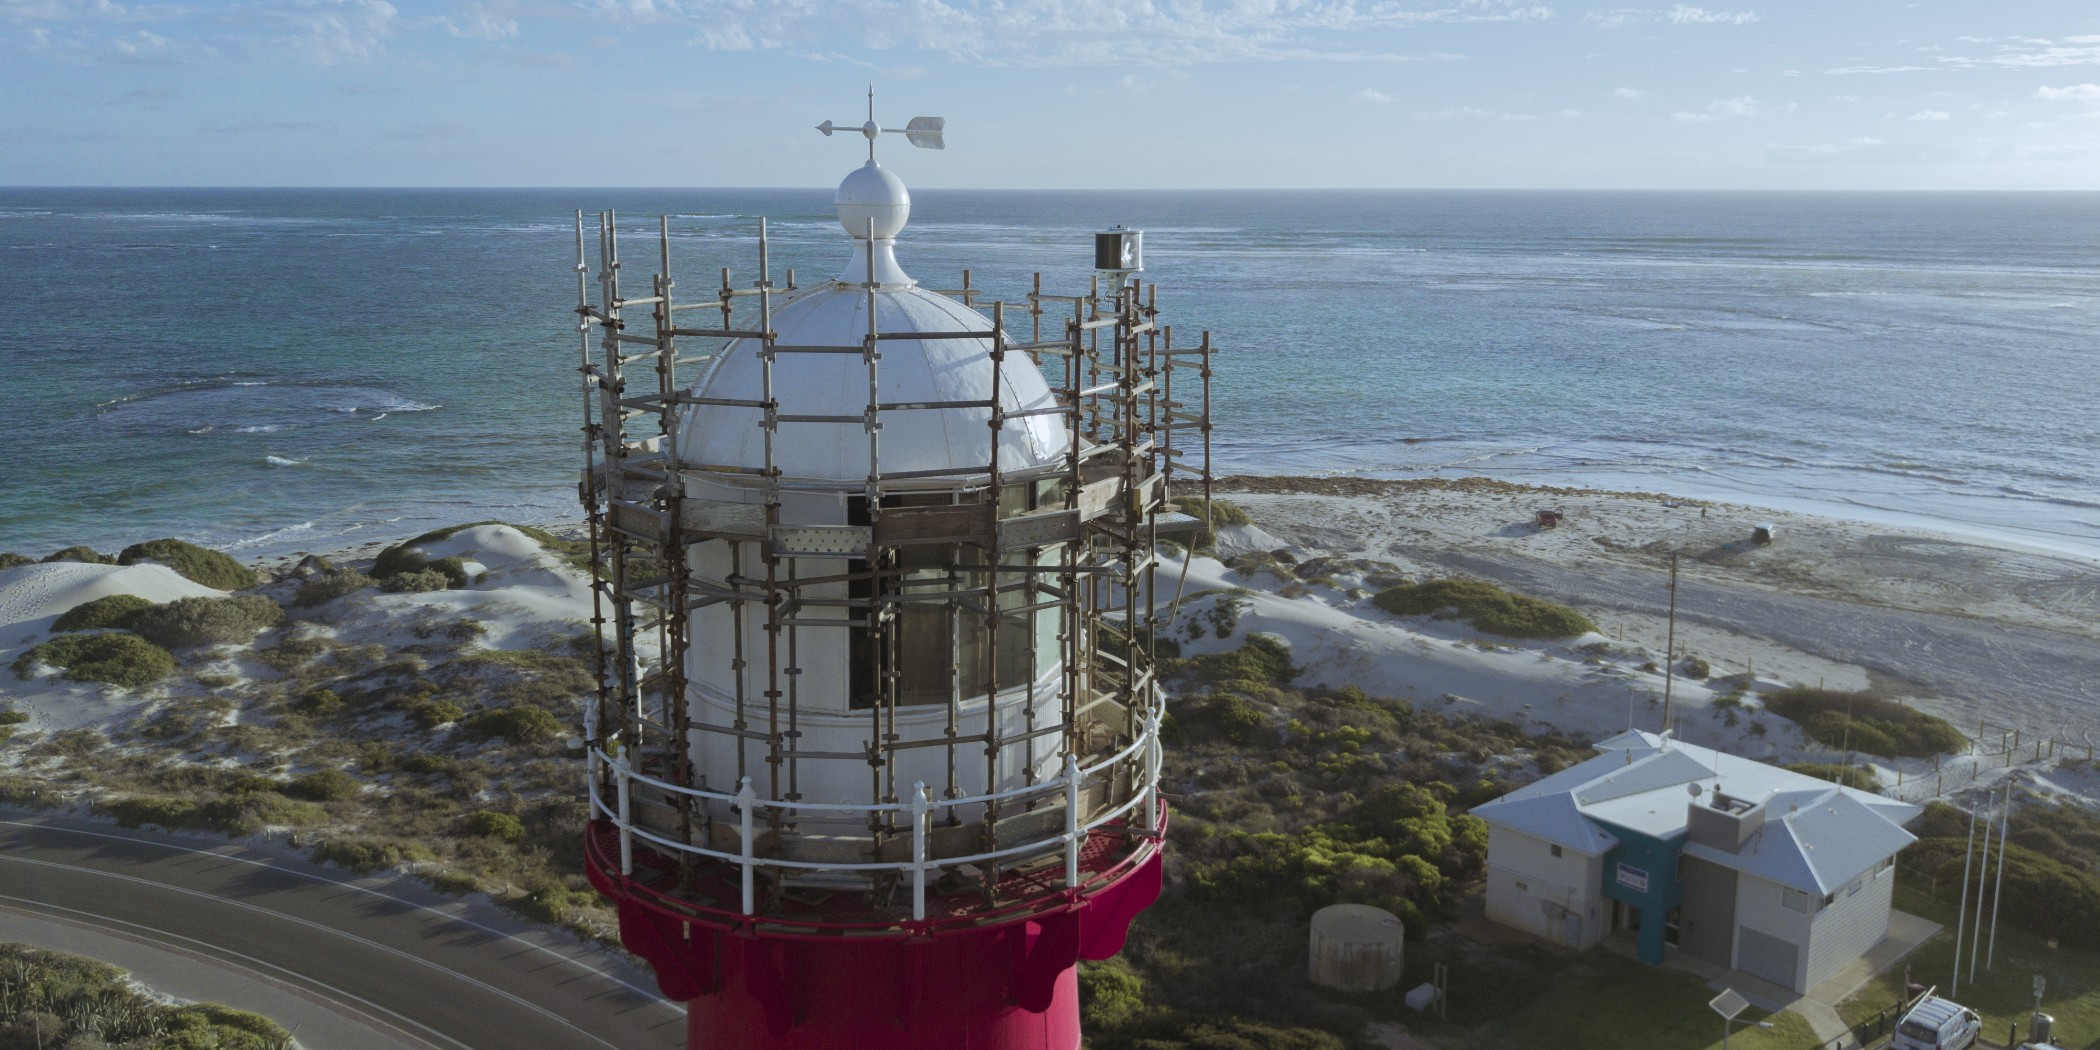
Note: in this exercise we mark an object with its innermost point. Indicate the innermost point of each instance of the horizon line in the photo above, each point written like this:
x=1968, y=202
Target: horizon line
x=1052, y=189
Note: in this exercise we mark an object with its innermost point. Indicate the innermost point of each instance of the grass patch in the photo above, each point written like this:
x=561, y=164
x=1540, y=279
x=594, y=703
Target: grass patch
x=1262, y=660
x=10, y=559
x=110, y=612
x=209, y=621
x=1866, y=723
x=2004, y=994
x=1221, y=514
x=120, y=659
x=1487, y=607
x=364, y=854
x=211, y=568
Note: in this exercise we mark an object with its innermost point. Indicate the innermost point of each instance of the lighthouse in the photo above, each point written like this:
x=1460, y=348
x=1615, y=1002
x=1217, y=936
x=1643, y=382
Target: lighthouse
x=874, y=757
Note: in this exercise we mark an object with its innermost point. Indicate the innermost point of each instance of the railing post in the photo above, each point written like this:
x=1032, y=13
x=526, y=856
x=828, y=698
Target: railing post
x=625, y=787
x=746, y=801
x=1071, y=820
x=919, y=807
x=1149, y=818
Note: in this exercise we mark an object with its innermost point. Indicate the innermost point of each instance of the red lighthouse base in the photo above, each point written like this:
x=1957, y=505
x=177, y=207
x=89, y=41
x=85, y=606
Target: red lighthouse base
x=827, y=978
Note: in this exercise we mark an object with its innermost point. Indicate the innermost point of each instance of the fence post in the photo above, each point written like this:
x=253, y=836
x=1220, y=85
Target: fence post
x=626, y=796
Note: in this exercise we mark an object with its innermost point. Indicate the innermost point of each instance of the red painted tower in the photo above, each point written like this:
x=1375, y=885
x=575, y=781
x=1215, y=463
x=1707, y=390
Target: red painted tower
x=875, y=754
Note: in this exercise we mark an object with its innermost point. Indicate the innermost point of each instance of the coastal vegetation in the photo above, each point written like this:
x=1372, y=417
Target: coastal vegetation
x=214, y=569
x=54, y=1001
x=1220, y=514
x=1865, y=722
x=1487, y=607
x=112, y=612
x=119, y=658
x=1286, y=800
x=234, y=620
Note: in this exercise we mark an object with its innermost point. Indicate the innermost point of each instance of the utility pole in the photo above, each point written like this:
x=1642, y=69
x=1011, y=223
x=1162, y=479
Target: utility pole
x=1968, y=856
x=1983, y=876
x=1670, y=647
x=2004, y=825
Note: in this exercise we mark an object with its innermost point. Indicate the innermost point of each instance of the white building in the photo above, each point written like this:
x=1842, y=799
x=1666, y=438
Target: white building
x=1780, y=875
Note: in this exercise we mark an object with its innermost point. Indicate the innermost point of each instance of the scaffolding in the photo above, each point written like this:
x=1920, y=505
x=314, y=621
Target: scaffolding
x=1061, y=551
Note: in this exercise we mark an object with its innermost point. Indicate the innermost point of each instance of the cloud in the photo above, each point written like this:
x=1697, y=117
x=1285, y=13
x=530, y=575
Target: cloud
x=1929, y=114
x=1043, y=33
x=1373, y=96
x=2073, y=93
x=428, y=131
x=329, y=32
x=1683, y=15
x=259, y=126
x=476, y=22
x=1625, y=93
x=1679, y=15
x=1740, y=106
x=1688, y=117
x=2034, y=54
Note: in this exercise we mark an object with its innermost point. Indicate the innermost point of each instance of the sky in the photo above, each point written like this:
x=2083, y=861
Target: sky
x=1804, y=94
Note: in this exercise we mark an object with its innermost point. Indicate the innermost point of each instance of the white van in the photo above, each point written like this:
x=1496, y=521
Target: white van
x=1936, y=1024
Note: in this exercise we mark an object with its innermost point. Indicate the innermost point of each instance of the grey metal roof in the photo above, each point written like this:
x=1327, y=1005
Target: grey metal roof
x=1813, y=841
x=1817, y=837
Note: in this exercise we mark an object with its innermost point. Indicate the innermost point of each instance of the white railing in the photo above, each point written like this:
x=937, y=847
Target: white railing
x=746, y=804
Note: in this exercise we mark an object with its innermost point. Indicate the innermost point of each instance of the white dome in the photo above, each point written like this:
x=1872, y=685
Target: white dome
x=837, y=385
x=870, y=192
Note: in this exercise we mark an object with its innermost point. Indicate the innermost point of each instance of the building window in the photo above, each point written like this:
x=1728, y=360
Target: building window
x=1556, y=851
x=1522, y=886
x=1796, y=900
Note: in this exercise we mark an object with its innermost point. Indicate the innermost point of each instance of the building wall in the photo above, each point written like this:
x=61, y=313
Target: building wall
x=1760, y=905
x=1706, y=929
x=1856, y=921
x=1642, y=871
x=1530, y=889
x=1834, y=934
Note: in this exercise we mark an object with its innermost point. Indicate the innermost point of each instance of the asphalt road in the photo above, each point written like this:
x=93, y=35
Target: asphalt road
x=415, y=967
x=2044, y=678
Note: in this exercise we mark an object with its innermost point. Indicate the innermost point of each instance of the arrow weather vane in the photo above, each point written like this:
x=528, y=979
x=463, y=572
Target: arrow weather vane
x=923, y=132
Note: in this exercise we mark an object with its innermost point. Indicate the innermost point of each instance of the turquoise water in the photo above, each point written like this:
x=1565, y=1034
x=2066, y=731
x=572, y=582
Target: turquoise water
x=300, y=369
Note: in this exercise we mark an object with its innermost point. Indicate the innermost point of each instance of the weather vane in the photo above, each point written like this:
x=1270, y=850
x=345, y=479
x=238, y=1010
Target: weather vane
x=923, y=132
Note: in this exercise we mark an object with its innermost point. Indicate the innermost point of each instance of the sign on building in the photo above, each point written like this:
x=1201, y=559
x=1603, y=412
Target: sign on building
x=1633, y=878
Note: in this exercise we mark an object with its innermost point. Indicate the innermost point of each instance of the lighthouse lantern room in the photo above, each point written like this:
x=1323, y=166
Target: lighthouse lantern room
x=874, y=757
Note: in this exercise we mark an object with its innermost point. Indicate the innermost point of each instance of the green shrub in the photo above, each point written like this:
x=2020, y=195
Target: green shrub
x=491, y=824
x=320, y=703
x=10, y=559
x=524, y=724
x=1850, y=776
x=166, y=812
x=247, y=812
x=82, y=553
x=209, y=621
x=198, y=564
x=110, y=612
x=1864, y=722
x=326, y=785
x=403, y=559
x=547, y=899
x=324, y=589
x=1695, y=668
x=431, y=714
x=420, y=581
x=1221, y=514
x=366, y=855
x=119, y=659
x=2041, y=894
x=1487, y=607
x=1263, y=659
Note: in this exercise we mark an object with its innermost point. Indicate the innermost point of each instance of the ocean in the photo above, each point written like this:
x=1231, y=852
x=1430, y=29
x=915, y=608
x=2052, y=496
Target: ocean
x=277, y=370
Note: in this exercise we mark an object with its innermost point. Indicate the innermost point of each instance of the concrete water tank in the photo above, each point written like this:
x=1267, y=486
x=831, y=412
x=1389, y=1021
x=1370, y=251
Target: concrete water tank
x=1355, y=948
